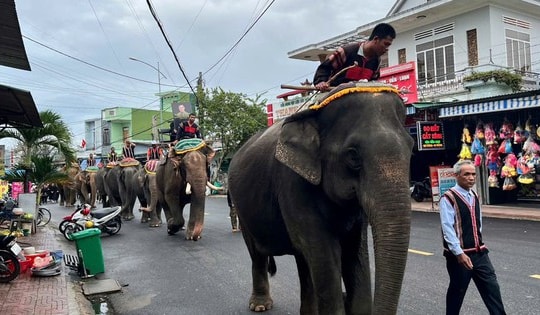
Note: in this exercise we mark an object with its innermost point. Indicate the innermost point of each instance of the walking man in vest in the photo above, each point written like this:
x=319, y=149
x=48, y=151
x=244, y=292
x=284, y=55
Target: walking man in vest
x=466, y=255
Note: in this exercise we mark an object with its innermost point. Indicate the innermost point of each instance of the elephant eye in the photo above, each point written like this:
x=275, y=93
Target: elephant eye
x=353, y=159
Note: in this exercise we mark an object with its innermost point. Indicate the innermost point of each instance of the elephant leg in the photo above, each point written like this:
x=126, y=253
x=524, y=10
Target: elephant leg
x=356, y=272
x=145, y=217
x=234, y=219
x=155, y=219
x=260, y=299
x=307, y=294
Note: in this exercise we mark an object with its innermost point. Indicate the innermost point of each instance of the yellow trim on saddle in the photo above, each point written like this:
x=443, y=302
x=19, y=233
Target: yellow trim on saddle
x=186, y=150
x=357, y=89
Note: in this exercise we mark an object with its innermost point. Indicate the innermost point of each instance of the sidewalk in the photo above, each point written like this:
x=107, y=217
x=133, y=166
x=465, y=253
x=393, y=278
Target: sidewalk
x=62, y=294
x=522, y=211
x=57, y=295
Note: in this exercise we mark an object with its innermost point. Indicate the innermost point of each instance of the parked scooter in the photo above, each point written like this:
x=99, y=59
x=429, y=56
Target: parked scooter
x=10, y=268
x=107, y=220
x=421, y=190
x=74, y=216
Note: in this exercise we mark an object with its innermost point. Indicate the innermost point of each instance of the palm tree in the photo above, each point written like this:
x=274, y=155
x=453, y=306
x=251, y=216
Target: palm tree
x=54, y=138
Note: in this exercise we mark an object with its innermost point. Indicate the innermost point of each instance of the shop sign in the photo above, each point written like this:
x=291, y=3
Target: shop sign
x=430, y=135
x=403, y=76
x=442, y=178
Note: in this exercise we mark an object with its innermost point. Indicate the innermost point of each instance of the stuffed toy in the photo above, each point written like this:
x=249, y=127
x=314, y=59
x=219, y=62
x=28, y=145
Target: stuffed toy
x=478, y=160
x=492, y=159
x=520, y=135
x=506, y=131
x=466, y=135
x=493, y=182
x=509, y=168
x=479, y=132
x=489, y=134
x=465, y=153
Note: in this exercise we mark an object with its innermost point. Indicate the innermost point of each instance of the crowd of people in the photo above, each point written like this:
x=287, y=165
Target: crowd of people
x=49, y=192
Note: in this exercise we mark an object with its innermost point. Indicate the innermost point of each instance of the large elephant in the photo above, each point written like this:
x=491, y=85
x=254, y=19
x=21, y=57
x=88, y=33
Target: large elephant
x=172, y=176
x=86, y=185
x=309, y=185
x=121, y=186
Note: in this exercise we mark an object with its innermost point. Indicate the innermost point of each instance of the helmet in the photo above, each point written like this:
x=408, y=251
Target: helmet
x=89, y=224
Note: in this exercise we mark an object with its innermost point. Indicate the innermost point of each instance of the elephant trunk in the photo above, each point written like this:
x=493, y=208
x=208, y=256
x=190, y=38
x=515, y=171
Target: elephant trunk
x=389, y=214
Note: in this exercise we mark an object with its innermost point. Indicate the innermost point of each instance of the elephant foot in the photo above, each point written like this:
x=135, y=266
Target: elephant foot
x=154, y=224
x=260, y=303
x=128, y=217
x=173, y=229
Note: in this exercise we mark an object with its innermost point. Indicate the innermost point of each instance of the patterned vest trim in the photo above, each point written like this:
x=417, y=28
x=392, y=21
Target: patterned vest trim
x=467, y=219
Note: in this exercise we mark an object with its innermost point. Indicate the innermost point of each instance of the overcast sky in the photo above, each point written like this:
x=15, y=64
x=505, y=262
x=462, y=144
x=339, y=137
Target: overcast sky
x=67, y=41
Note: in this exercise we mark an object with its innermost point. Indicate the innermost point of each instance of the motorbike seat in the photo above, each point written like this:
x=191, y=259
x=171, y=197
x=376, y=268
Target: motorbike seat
x=100, y=213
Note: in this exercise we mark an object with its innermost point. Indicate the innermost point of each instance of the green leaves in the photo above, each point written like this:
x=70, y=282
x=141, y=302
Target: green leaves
x=230, y=118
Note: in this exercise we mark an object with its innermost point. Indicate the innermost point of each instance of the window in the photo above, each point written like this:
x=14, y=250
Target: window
x=472, y=47
x=402, y=56
x=384, y=61
x=106, y=136
x=518, y=50
x=435, y=60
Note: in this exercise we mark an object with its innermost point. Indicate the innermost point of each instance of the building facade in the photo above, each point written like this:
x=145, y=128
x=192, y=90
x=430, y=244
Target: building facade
x=475, y=64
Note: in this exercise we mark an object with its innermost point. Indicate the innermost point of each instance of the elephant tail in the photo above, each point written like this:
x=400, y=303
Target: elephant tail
x=272, y=269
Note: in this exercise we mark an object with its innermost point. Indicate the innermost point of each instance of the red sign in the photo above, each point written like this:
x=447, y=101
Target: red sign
x=403, y=76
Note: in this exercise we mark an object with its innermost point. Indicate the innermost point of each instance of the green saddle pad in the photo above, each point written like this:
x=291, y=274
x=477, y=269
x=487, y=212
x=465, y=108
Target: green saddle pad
x=187, y=145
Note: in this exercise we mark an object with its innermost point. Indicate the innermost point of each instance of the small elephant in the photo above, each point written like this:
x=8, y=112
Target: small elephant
x=146, y=178
x=309, y=186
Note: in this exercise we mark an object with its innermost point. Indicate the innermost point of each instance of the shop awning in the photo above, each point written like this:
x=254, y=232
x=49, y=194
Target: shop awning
x=490, y=106
x=17, y=109
x=12, y=52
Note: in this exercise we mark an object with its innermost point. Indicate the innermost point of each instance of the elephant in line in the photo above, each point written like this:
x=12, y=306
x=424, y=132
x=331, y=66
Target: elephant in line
x=100, y=186
x=68, y=190
x=86, y=186
x=174, y=175
x=121, y=187
x=309, y=186
x=147, y=183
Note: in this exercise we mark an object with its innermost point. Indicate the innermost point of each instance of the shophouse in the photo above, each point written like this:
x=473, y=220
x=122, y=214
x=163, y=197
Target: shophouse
x=474, y=63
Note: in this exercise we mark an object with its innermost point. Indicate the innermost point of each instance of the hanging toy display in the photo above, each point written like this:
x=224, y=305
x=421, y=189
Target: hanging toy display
x=508, y=171
x=524, y=170
x=489, y=134
x=465, y=153
x=479, y=132
x=466, y=135
x=493, y=162
x=507, y=130
x=520, y=135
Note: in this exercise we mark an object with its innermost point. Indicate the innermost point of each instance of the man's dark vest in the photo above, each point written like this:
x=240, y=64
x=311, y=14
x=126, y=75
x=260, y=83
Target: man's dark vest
x=467, y=223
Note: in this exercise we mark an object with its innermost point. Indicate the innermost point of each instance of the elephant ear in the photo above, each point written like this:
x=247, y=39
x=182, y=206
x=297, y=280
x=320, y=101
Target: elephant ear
x=298, y=146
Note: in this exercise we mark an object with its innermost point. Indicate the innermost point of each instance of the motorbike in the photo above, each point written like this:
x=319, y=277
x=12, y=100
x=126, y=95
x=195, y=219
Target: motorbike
x=10, y=251
x=74, y=216
x=107, y=220
x=421, y=190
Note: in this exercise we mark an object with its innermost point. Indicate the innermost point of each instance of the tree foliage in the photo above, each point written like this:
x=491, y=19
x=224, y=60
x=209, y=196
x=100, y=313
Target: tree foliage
x=54, y=138
x=230, y=118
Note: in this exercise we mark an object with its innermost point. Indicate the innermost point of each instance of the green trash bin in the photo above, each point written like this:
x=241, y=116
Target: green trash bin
x=88, y=243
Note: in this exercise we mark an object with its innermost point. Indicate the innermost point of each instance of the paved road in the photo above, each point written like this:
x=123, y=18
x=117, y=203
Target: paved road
x=167, y=275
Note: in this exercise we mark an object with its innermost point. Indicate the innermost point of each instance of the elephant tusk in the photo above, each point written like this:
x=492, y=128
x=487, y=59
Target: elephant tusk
x=213, y=187
x=188, y=189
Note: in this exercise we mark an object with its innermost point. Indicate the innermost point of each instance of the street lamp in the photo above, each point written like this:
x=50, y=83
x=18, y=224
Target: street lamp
x=159, y=86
